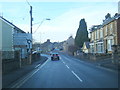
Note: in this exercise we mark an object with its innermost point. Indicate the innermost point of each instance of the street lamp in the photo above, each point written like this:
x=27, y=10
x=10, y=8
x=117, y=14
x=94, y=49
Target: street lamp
x=40, y=23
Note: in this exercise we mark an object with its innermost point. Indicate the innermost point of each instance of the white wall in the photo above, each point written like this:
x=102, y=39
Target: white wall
x=7, y=38
x=0, y=35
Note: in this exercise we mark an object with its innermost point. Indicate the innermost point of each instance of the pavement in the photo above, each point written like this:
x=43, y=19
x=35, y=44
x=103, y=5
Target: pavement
x=9, y=78
x=106, y=63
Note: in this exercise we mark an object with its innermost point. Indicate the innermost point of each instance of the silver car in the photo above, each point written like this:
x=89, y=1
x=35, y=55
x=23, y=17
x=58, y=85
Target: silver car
x=55, y=56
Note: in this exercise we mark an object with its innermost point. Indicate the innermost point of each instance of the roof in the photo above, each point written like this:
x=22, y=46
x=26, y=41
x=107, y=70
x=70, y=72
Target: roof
x=110, y=19
x=105, y=22
x=12, y=24
x=95, y=27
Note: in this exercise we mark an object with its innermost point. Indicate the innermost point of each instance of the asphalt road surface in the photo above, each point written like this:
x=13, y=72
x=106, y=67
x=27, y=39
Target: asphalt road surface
x=68, y=72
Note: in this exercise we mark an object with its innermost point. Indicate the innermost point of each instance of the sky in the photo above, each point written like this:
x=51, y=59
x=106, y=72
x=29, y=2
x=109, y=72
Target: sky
x=64, y=16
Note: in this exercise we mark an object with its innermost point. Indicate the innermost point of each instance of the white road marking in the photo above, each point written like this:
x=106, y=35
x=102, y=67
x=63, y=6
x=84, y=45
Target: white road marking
x=73, y=71
x=67, y=66
x=77, y=76
x=37, y=66
x=44, y=64
x=17, y=85
x=63, y=61
x=21, y=82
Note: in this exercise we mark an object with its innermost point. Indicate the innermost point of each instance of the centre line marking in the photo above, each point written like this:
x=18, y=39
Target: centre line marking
x=77, y=76
x=67, y=66
x=63, y=61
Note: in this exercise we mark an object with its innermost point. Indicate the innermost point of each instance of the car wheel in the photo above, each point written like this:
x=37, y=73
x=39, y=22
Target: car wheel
x=51, y=58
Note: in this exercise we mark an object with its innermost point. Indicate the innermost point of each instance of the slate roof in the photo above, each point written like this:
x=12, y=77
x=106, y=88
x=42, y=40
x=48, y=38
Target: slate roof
x=95, y=27
x=105, y=22
x=110, y=19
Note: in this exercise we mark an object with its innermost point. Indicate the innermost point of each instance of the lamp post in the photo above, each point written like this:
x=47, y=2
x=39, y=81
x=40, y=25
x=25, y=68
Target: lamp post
x=40, y=23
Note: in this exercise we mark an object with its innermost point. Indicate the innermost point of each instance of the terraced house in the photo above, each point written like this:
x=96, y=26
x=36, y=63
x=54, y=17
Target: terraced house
x=103, y=36
x=96, y=39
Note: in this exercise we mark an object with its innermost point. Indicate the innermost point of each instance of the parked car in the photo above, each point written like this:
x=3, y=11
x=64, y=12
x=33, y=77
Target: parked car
x=55, y=56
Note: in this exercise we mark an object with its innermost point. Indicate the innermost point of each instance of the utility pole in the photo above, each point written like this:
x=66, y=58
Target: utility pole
x=31, y=19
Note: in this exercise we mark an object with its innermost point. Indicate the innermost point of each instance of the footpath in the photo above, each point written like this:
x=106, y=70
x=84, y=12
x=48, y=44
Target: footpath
x=9, y=78
x=106, y=63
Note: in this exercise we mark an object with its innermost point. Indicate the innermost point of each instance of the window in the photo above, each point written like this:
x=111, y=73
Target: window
x=110, y=43
x=92, y=35
x=101, y=33
x=106, y=30
x=100, y=48
x=111, y=28
x=92, y=48
x=97, y=34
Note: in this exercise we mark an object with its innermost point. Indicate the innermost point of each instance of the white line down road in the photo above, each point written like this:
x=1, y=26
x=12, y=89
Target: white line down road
x=77, y=76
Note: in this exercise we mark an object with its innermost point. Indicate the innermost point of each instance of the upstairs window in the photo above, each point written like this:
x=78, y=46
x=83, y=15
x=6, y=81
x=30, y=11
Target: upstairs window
x=106, y=30
x=111, y=28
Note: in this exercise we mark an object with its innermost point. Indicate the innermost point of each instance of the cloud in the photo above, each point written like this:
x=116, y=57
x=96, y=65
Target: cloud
x=60, y=28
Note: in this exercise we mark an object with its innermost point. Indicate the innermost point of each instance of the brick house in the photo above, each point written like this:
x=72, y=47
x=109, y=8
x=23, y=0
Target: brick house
x=103, y=36
x=96, y=39
x=118, y=30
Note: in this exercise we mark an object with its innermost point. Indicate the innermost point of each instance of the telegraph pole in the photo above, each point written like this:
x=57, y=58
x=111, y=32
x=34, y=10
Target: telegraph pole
x=31, y=19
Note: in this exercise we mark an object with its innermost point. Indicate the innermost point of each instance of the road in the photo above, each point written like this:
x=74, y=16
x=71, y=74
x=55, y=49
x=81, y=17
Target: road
x=68, y=72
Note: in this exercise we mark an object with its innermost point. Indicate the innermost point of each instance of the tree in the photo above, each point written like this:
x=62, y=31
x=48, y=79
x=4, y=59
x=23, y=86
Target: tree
x=82, y=34
x=72, y=49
